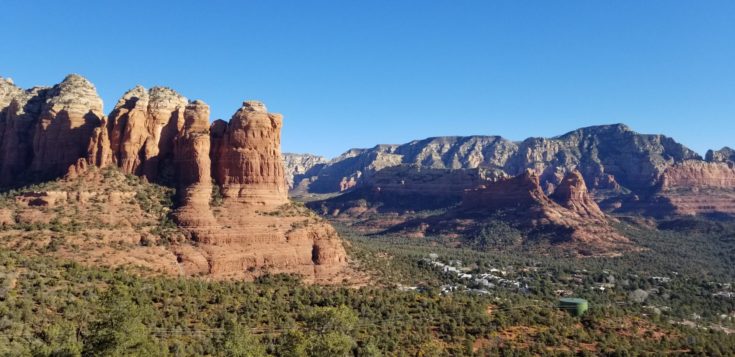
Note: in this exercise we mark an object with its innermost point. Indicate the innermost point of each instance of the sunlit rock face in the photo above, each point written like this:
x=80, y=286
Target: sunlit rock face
x=143, y=126
x=247, y=164
x=49, y=133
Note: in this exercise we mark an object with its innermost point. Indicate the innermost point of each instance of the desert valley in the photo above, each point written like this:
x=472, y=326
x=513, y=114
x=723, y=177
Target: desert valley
x=155, y=230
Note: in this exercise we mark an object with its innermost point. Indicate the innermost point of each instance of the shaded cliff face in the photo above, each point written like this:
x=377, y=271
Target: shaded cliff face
x=18, y=119
x=143, y=126
x=48, y=130
x=296, y=165
x=69, y=116
x=723, y=155
x=610, y=157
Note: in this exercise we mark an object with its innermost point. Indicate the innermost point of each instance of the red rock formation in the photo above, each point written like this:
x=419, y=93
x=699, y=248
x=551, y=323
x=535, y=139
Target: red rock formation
x=698, y=175
x=575, y=222
x=256, y=229
x=695, y=187
x=61, y=131
x=572, y=194
x=99, y=151
x=248, y=164
x=193, y=167
x=517, y=192
x=18, y=122
x=143, y=126
x=67, y=121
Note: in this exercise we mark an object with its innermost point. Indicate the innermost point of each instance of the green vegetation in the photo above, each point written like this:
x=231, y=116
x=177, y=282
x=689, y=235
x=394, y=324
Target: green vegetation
x=51, y=307
x=675, y=296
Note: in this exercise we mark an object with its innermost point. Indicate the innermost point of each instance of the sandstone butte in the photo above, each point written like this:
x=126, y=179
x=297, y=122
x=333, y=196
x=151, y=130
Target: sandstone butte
x=570, y=209
x=47, y=133
x=570, y=218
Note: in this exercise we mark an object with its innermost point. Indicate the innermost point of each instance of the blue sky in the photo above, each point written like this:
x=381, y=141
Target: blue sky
x=358, y=73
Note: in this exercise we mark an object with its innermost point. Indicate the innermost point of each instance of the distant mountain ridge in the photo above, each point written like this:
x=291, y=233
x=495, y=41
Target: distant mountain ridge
x=562, y=189
x=608, y=156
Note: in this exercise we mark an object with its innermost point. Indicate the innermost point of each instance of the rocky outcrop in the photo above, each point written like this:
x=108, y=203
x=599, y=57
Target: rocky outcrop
x=193, y=171
x=18, y=121
x=698, y=175
x=573, y=224
x=572, y=194
x=48, y=133
x=296, y=165
x=143, y=126
x=254, y=229
x=68, y=119
x=522, y=191
x=723, y=155
x=99, y=151
x=247, y=163
x=696, y=188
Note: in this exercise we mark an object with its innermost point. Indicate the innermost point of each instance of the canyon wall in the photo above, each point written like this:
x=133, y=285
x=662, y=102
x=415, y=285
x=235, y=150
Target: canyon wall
x=625, y=171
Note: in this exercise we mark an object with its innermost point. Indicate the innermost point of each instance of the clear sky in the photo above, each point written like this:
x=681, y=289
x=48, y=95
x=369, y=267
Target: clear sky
x=358, y=73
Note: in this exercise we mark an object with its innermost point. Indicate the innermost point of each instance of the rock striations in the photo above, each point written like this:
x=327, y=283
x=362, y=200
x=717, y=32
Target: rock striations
x=609, y=157
x=257, y=229
x=143, y=126
x=47, y=131
x=156, y=133
x=247, y=160
x=698, y=188
x=192, y=167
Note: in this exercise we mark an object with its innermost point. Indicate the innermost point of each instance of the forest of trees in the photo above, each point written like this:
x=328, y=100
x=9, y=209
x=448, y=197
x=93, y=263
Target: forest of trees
x=56, y=308
x=669, y=298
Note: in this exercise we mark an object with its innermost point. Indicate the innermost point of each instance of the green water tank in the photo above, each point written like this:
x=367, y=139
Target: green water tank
x=574, y=306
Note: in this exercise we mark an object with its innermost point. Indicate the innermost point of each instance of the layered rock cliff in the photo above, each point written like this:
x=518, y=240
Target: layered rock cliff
x=610, y=158
x=193, y=171
x=624, y=170
x=258, y=229
x=49, y=133
x=143, y=126
x=247, y=163
x=298, y=165
x=697, y=188
x=46, y=131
